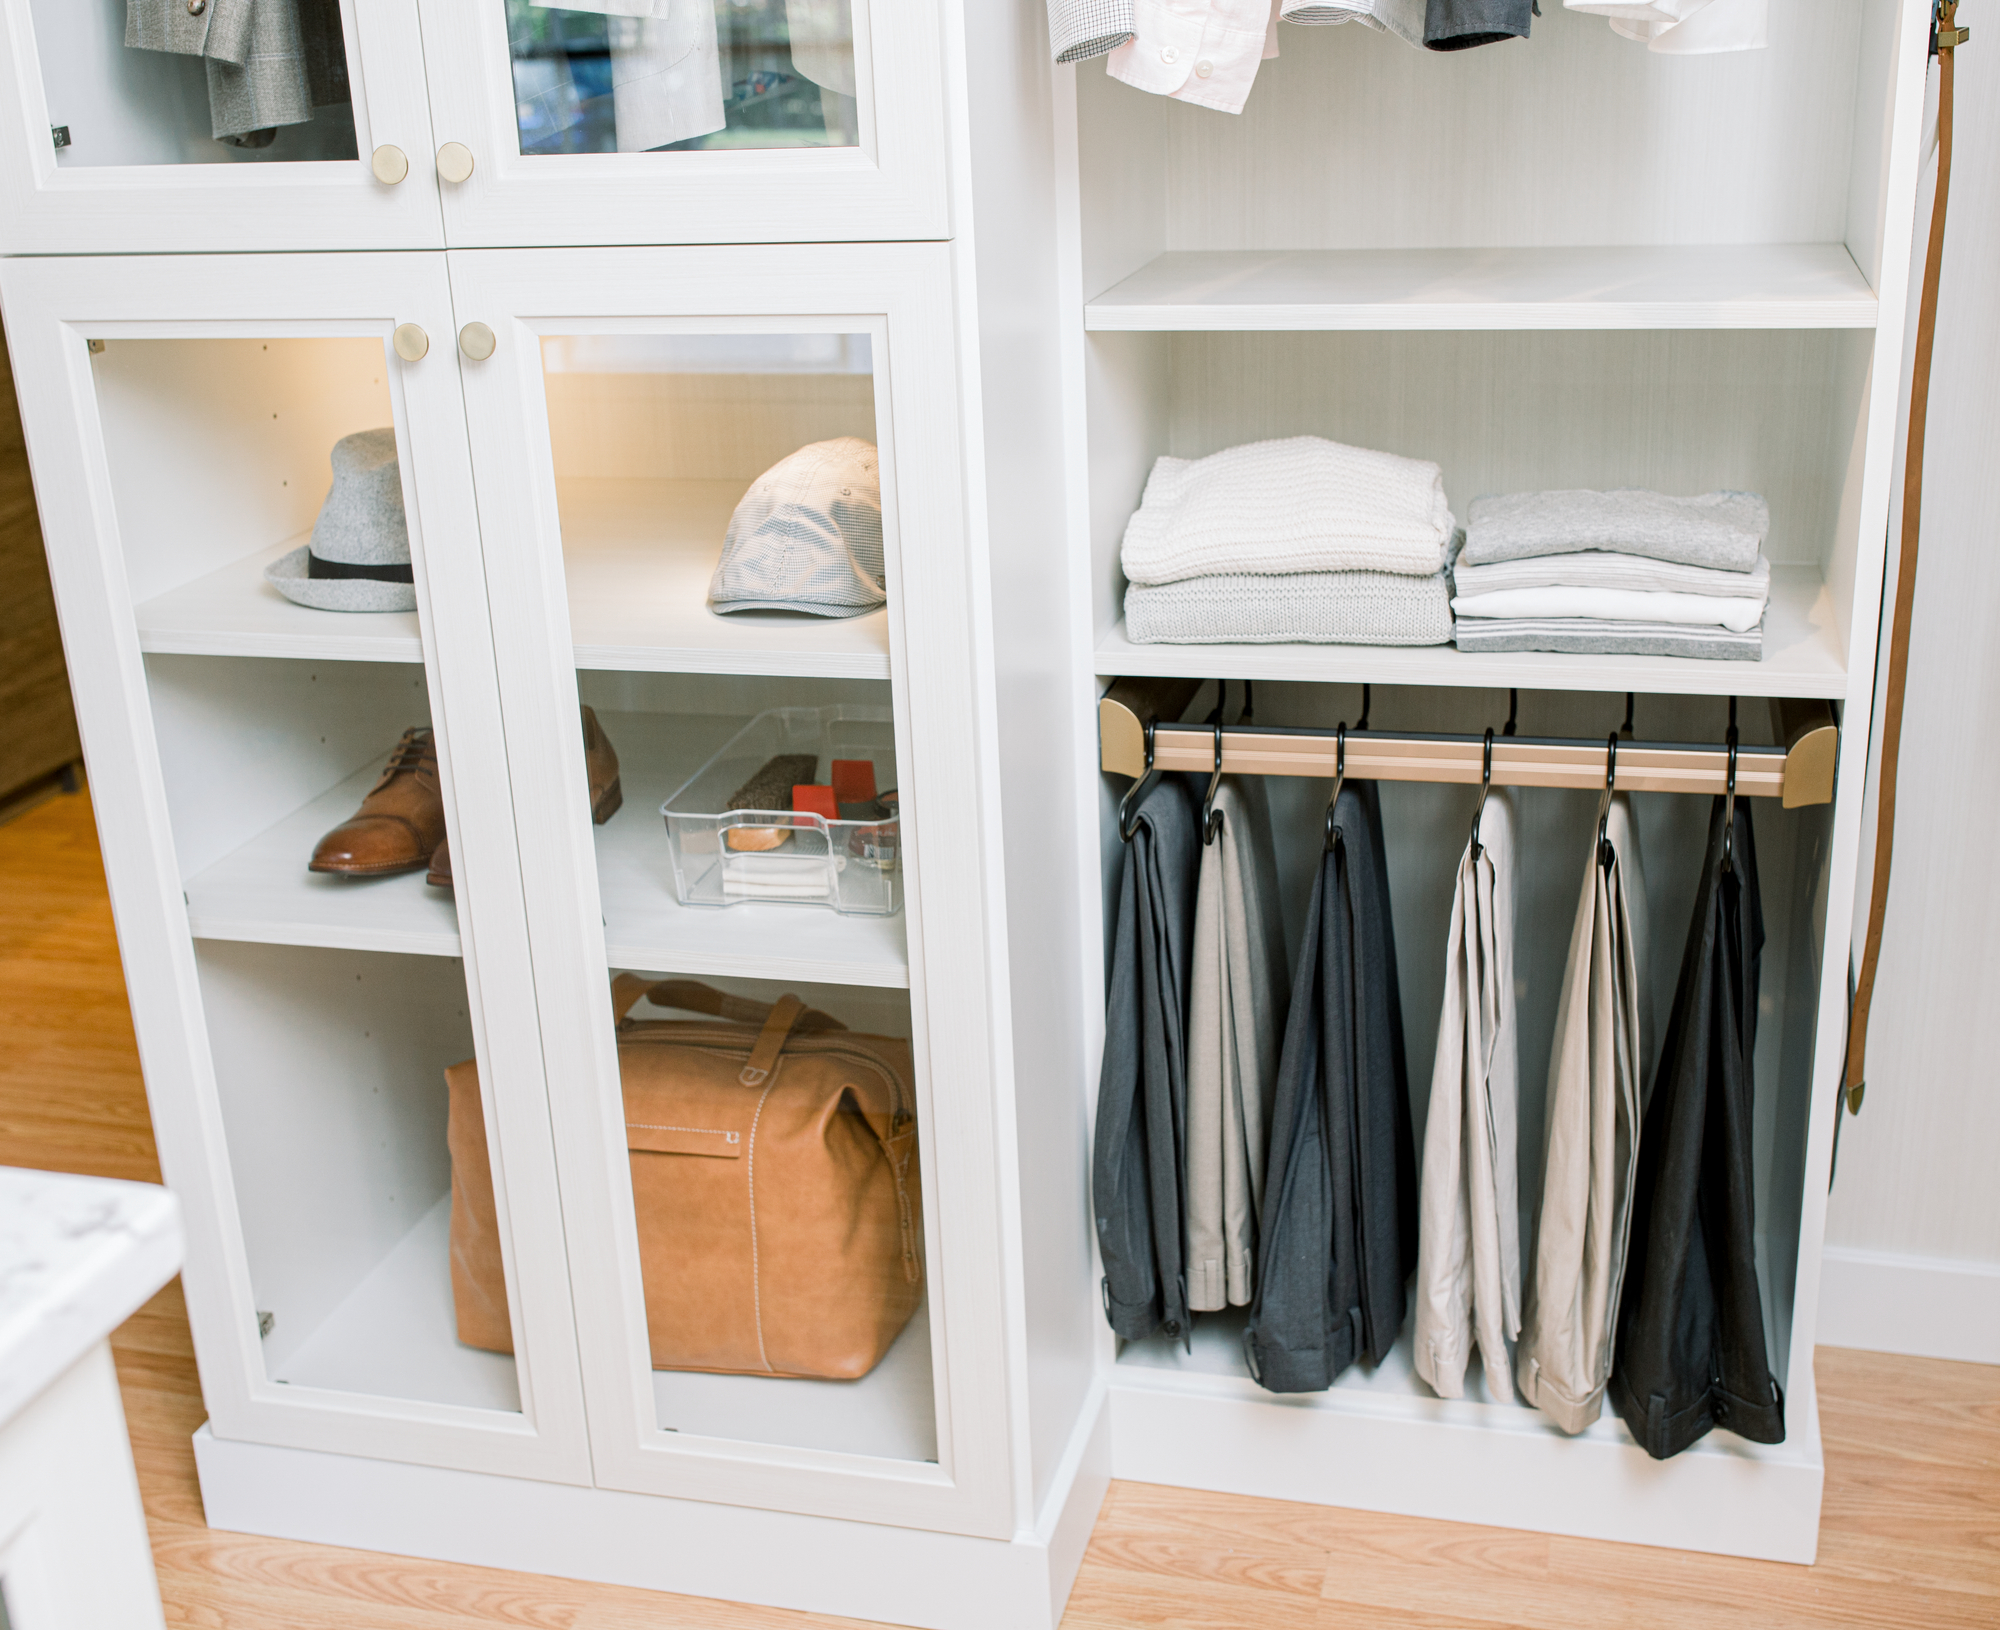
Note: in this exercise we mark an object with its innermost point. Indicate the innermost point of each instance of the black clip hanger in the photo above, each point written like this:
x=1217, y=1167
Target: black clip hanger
x=1625, y=729
x=1485, y=786
x=1513, y=713
x=1729, y=798
x=1128, y=806
x=1367, y=702
x=1211, y=817
x=1333, y=833
x=1605, y=854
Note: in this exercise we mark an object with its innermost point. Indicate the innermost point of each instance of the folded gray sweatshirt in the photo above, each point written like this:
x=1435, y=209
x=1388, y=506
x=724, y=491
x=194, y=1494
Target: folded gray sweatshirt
x=1721, y=530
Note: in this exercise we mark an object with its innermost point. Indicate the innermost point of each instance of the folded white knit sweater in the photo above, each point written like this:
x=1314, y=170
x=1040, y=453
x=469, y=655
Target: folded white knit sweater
x=1721, y=530
x=1307, y=608
x=1603, y=569
x=1303, y=504
x=1615, y=605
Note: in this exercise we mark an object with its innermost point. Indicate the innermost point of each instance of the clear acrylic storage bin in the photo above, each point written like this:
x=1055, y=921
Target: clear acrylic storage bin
x=724, y=856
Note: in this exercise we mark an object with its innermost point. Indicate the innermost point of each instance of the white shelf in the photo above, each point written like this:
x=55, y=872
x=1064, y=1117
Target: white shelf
x=1212, y=1364
x=396, y=1335
x=646, y=928
x=889, y=1412
x=639, y=555
x=1791, y=285
x=233, y=612
x=1802, y=657
x=263, y=892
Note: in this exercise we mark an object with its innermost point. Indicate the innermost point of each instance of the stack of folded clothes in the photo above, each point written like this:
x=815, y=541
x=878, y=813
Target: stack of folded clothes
x=1628, y=572
x=1294, y=540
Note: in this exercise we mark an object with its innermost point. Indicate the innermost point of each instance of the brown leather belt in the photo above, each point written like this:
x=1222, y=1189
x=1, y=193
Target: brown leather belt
x=1946, y=37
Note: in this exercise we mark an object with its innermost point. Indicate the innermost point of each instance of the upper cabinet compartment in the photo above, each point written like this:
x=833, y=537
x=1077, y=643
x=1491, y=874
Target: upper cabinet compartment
x=1573, y=179
x=686, y=121
x=140, y=125
x=165, y=125
x=1561, y=263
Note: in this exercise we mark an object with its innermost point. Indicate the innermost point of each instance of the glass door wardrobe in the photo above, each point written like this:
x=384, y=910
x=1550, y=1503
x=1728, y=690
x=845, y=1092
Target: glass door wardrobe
x=737, y=665
x=144, y=126
x=687, y=121
x=256, y=494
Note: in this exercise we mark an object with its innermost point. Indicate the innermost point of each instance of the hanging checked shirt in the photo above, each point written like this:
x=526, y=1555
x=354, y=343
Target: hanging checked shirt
x=1691, y=1353
x=1591, y=1142
x=1468, y=1287
x=1235, y=1027
x=1338, y=1230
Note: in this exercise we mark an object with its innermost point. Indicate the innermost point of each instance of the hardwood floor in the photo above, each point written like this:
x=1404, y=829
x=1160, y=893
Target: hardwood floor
x=1910, y=1536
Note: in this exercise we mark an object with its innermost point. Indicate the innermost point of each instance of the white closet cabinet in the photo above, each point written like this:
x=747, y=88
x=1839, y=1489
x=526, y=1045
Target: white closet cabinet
x=487, y=122
x=294, y=1028
x=110, y=150
x=1565, y=262
x=631, y=395
x=1560, y=263
x=834, y=116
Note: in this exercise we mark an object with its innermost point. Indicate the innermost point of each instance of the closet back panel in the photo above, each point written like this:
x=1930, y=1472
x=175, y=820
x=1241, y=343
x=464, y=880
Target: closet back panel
x=219, y=448
x=1426, y=828
x=1685, y=410
x=1351, y=139
x=245, y=741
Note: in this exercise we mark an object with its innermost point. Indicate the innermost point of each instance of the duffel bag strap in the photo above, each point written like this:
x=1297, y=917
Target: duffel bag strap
x=763, y=1057
x=899, y=1148
x=692, y=996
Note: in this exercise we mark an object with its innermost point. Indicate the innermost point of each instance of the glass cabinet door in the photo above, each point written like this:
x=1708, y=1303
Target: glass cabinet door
x=719, y=523
x=259, y=520
x=687, y=121
x=210, y=125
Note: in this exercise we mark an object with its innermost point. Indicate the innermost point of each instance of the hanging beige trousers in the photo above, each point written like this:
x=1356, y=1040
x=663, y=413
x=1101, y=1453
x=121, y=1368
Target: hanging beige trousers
x=1591, y=1144
x=1469, y=1237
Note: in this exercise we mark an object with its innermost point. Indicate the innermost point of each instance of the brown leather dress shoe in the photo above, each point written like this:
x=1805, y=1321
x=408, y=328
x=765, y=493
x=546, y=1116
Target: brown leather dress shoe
x=399, y=825
x=600, y=767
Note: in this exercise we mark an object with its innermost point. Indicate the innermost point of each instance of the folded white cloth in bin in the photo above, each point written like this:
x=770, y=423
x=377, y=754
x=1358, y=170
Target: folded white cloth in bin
x=765, y=876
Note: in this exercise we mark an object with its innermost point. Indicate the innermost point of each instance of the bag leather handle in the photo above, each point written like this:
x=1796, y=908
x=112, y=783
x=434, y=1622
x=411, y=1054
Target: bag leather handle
x=692, y=996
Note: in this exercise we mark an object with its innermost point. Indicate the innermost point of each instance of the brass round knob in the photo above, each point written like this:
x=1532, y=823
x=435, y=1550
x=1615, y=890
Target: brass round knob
x=411, y=342
x=454, y=161
x=477, y=341
x=390, y=164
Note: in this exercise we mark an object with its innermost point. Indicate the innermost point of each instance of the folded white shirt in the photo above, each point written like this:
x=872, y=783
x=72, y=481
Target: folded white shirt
x=1303, y=504
x=1614, y=605
x=1403, y=18
x=1607, y=569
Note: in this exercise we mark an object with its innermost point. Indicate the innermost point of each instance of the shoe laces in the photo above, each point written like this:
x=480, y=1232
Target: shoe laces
x=415, y=753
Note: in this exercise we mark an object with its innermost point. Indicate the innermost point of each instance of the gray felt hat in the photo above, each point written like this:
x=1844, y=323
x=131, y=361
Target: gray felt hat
x=807, y=536
x=359, y=557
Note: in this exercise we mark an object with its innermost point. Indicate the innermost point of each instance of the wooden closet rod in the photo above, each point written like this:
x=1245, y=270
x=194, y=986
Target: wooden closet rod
x=1799, y=770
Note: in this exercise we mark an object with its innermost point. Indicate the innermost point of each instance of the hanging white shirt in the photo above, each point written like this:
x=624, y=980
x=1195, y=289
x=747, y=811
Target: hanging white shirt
x=1200, y=51
x=666, y=68
x=1686, y=27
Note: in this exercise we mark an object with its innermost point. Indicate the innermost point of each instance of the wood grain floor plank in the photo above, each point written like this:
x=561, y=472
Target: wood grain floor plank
x=1910, y=1535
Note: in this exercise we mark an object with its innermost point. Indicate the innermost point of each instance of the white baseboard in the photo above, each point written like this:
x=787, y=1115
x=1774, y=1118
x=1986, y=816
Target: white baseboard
x=1928, y=1307
x=734, y=1553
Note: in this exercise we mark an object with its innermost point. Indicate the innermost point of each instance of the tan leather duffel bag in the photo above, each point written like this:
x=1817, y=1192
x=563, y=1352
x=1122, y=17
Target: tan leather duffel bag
x=774, y=1176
